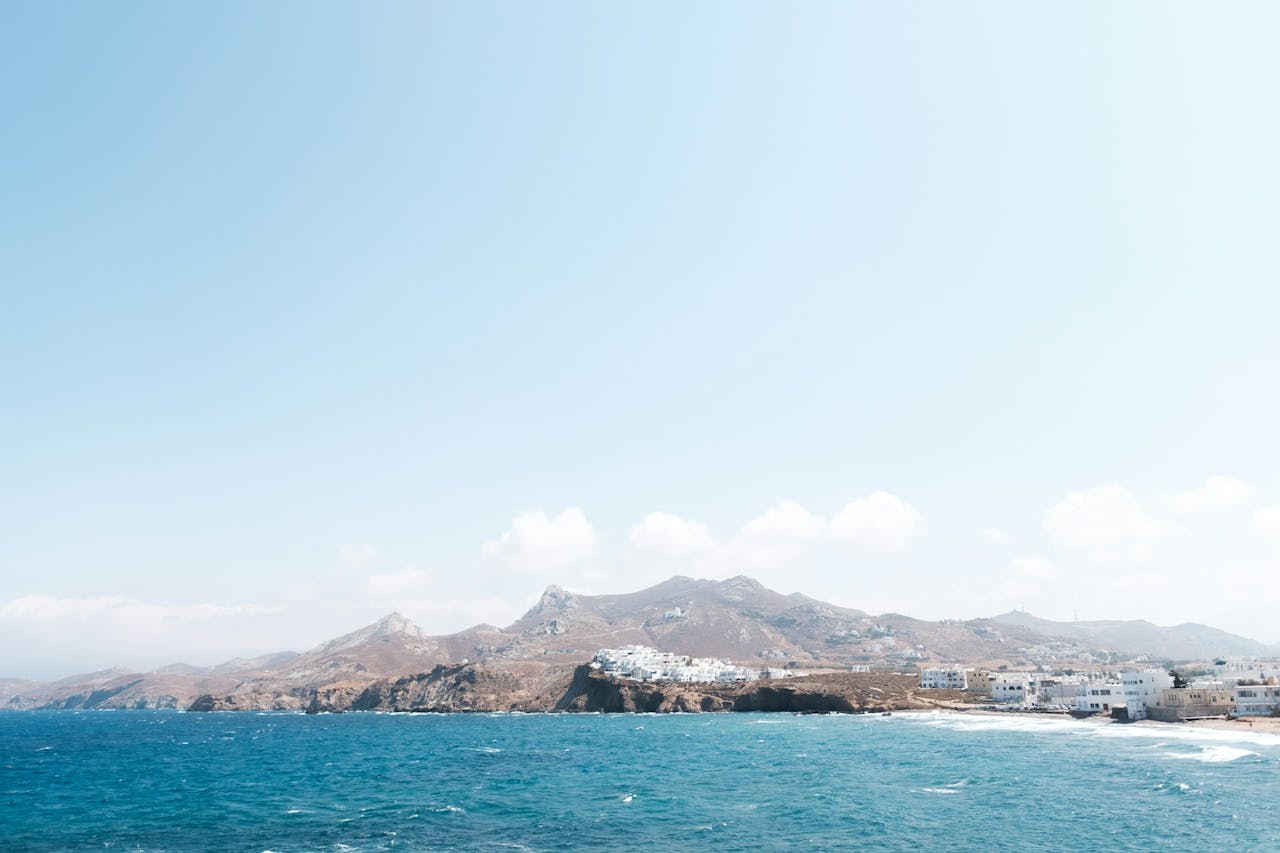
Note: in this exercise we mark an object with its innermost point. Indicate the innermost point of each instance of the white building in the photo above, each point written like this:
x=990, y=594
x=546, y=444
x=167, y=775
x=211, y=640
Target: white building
x=1257, y=700
x=1142, y=688
x=642, y=663
x=1058, y=689
x=953, y=678
x=1100, y=697
x=1230, y=671
x=1012, y=687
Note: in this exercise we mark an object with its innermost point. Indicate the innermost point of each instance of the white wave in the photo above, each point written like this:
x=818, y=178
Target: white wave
x=951, y=788
x=1212, y=754
x=1174, y=732
x=1171, y=733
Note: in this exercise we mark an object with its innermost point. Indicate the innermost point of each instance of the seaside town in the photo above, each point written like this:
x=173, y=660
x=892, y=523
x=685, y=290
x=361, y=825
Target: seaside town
x=642, y=663
x=1230, y=687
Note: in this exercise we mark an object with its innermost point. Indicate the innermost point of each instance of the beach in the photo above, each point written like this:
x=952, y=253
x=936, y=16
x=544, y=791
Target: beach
x=1236, y=725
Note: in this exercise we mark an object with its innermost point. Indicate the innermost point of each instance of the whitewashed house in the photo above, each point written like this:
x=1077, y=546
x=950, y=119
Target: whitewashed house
x=1012, y=687
x=1230, y=671
x=1256, y=700
x=642, y=663
x=1142, y=689
x=1100, y=697
x=950, y=678
x=1058, y=689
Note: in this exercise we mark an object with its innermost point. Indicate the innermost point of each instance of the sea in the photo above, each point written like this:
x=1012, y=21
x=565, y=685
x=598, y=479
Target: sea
x=172, y=781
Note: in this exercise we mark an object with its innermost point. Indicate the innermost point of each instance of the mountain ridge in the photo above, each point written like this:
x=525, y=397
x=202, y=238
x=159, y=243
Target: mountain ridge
x=737, y=618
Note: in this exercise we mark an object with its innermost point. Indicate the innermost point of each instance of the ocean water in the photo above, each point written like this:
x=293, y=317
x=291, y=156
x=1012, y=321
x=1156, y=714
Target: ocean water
x=136, y=780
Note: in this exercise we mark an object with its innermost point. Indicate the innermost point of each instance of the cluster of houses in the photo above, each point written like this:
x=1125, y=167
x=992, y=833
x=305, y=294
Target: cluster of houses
x=1238, y=687
x=643, y=663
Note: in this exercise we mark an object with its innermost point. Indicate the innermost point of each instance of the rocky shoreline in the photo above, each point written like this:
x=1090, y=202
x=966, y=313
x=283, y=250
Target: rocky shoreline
x=471, y=688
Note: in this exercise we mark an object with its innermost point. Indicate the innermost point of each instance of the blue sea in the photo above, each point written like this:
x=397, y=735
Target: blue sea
x=135, y=780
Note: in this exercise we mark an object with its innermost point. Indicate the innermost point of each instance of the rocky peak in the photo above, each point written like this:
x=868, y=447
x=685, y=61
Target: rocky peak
x=554, y=599
x=742, y=582
x=393, y=623
x=738, y=587
x=391, y=627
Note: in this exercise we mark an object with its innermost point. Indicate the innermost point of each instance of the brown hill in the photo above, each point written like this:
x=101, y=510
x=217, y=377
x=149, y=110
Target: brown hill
x=738, y=619
x=487, y=688
x=742, y=620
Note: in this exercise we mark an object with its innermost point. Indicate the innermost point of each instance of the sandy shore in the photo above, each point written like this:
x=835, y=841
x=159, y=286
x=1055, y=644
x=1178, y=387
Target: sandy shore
x=1266, y=725
x=1269, y=725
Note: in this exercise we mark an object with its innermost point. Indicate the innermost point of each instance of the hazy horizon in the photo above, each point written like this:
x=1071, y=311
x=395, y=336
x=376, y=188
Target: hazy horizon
x=158, y=661
x=313, y=313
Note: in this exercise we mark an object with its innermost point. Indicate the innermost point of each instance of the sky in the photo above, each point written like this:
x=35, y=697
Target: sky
x=310, y=312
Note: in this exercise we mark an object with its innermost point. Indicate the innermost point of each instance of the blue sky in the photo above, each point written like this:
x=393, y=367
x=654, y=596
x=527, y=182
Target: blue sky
x=306, y=307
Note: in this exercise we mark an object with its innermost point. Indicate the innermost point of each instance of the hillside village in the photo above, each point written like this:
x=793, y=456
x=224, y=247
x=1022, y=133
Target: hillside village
x=1234, y=687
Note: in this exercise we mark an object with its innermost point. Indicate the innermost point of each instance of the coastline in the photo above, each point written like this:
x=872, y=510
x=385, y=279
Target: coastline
x=1265, y=725
x=1234, y=725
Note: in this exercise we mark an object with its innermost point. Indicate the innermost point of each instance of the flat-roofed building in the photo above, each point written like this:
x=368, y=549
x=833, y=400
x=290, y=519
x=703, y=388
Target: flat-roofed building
x=944, y=678
x=1099, y=697
x=1141, y=689
x=1012, y=687
x=1186, y=703
x=1256, y=700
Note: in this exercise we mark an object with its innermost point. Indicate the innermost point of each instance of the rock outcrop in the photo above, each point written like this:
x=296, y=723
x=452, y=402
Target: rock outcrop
x=848, y=693
x=473, y=688
x=591, y=690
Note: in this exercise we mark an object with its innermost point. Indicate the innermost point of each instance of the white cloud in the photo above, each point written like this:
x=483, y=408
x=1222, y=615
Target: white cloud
x=785, y=521
x=1217, y=495
x=878, y=522
x=789, y=536
x=407, y=581
x=784, y=534
x=115, y=608
x=993, y=536
x=1106, y=523
x=1265, y=524
x=536, y=543
x=662, y=534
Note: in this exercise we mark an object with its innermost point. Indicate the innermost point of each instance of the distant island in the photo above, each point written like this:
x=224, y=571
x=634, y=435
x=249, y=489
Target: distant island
x=814, y=656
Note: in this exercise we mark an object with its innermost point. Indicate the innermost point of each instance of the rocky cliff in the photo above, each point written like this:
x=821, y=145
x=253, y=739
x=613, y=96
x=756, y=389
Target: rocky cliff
x=848, y=693
x=479, y=688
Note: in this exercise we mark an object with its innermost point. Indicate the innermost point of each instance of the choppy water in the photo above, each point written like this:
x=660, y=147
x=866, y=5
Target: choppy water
x=255, y=782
